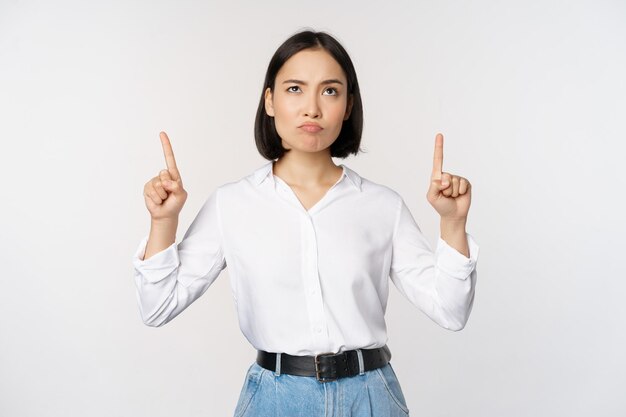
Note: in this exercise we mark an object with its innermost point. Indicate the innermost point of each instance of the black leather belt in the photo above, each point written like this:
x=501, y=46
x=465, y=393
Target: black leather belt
x=326, y=366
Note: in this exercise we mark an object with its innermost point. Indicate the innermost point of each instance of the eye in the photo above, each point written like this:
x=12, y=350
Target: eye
x=333, y=91
x=293, y=86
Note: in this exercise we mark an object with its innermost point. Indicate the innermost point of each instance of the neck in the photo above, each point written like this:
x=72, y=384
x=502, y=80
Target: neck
x=306, y=169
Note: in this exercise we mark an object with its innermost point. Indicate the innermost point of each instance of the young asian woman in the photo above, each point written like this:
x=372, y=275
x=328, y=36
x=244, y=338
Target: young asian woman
x=310, y=247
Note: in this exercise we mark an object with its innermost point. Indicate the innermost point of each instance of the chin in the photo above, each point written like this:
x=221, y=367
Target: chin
x=310, y=146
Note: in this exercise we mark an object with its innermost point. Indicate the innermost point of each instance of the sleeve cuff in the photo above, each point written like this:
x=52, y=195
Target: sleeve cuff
x=159, y=265
x=454, y=263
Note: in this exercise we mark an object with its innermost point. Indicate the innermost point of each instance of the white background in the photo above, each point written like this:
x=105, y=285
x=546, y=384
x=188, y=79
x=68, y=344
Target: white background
x=530, y=97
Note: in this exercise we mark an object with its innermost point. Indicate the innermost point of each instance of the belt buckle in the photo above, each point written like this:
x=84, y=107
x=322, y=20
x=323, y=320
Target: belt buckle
x=317, y=369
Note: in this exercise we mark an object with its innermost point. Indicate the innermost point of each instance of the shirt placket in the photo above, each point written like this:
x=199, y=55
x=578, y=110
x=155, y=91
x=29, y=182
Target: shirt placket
x=310, y=271
x=311, y=282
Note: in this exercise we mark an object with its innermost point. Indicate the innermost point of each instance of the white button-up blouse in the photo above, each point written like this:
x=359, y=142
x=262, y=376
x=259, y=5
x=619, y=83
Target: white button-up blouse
x=306, y=282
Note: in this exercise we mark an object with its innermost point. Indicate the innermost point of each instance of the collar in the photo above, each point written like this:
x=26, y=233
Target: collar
x=265, y=171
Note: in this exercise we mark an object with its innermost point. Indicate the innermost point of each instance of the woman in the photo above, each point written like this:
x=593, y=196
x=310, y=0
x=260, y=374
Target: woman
x=310, y=247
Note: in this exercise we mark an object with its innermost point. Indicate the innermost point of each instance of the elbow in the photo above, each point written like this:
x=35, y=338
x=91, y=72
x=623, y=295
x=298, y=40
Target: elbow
x=155, y=312
x=456, y=326
x=456, y=321
x=154, y=320
x=450, y=321
x=153, y=323
x=456, y=315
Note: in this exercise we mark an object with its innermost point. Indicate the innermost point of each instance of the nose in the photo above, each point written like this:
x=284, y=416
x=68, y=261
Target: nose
x=312, y=108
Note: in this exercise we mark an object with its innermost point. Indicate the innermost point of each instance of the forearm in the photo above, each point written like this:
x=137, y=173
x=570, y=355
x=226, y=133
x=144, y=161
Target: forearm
x=162, y=235
x=453, y=232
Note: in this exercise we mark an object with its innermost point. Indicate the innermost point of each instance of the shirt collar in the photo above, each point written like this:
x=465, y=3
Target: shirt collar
x=265, y=171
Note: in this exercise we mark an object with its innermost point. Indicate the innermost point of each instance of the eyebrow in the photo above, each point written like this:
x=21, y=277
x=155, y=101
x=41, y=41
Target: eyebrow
x=292, y=81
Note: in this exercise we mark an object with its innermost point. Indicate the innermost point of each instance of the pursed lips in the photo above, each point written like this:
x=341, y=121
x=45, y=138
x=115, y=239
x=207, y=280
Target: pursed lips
x=310, y=127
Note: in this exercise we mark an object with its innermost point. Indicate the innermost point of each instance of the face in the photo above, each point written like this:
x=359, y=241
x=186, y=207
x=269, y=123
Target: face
x=310, y=101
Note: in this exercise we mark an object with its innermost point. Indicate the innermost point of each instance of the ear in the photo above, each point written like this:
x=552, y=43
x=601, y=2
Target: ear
x=269, y=105
x=349, y=107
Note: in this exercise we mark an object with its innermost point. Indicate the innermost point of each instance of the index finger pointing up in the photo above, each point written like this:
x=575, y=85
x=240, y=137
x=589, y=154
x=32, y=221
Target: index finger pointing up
x=169, y=156
x=438, y=158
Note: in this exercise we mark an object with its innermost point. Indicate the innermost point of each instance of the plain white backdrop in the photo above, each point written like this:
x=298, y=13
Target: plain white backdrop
x=530, y=97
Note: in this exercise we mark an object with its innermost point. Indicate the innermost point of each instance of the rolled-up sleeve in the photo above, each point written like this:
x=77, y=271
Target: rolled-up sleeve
x=170, y=280
x=440, y=283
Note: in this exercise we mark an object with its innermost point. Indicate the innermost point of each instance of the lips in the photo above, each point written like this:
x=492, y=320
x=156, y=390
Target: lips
x=310, y=127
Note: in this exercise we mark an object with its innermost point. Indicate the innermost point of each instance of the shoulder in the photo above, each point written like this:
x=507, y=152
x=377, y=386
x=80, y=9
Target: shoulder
x=248, y=181
x=372, y=188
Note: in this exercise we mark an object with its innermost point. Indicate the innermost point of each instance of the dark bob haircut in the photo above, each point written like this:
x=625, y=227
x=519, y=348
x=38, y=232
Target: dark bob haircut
x=268, y=142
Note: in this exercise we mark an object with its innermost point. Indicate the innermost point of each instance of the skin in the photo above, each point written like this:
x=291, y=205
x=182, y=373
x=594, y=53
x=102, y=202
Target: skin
x=308, y=168
x=302, y=93
x=164, y=196
x=450, y=195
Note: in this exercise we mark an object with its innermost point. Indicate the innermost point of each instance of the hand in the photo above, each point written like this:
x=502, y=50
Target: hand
x=164, y=194
x=449, y=194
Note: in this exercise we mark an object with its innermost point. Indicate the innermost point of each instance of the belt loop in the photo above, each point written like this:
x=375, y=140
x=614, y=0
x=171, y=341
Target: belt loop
x=361, y=366
x=278, y=356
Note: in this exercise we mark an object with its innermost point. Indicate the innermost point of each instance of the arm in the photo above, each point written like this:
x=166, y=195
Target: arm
x=170, y=280
x=440, y=283
x=169, y=277
x=453, y=232
x=162, y=235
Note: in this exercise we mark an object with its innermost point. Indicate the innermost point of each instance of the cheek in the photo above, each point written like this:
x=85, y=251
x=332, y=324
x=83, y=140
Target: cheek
x=284, y=108
x=338, y=110
x=284, y=117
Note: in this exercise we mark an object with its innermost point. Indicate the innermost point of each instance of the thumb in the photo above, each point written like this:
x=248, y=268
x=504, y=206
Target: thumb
x=436, y=186
x=171, y=186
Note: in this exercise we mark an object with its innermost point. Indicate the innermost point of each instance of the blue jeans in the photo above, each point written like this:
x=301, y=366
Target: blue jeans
x=374, y=393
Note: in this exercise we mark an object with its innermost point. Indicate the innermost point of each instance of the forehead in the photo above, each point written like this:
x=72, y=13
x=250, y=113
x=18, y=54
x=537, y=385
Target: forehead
x=311, y=64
